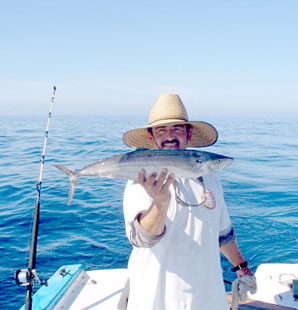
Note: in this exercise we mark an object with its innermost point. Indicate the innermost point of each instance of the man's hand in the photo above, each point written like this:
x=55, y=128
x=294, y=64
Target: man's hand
x=244, y=272
x=153, y=219
x=157, y=187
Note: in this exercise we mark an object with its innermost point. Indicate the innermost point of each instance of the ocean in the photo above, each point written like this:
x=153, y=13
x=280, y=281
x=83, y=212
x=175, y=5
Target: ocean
x=261, y=192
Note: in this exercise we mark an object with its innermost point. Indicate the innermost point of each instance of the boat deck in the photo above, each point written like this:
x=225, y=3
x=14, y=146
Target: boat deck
x=74, y=288
x=101, y=289
x=97, y=289
x=257, y=305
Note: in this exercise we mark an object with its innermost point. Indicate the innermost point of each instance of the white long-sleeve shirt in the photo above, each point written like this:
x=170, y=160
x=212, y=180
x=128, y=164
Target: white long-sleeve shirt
x=182, y=270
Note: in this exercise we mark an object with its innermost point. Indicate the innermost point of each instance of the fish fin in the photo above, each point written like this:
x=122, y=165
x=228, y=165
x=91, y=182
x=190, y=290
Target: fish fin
x=73, y=178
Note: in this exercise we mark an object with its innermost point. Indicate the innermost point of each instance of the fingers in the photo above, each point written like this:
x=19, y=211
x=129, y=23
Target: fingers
x=141, y=177
x=162, y=182
x=157, y=187
x=169, y=181
x=152, y=179
x=145, y=182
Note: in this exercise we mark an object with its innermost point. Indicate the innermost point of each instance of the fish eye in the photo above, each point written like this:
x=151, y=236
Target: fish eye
x=218, y=160
x=198, y=161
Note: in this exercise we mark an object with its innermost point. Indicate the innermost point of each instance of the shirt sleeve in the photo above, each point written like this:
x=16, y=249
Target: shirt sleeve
x=227, y=236
x=139, y=237
x=226, y=232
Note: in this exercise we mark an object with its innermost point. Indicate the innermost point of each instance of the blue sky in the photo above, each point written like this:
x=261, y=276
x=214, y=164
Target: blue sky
x=223, y=57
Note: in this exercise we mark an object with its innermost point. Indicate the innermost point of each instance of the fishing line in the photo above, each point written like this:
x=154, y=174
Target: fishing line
x=26, y=277
x=186, y=204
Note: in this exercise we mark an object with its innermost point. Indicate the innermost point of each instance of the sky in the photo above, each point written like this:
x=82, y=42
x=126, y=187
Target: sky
x=223, y=57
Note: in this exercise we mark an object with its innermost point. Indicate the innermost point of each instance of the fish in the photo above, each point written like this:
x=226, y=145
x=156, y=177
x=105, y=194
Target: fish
x=126, y=166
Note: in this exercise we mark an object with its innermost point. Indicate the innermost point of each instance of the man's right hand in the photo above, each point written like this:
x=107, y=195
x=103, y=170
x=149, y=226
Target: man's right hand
x=157, y=187
x=153, y=219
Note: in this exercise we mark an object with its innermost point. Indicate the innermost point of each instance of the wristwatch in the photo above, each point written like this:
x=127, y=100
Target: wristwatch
x=240, y=266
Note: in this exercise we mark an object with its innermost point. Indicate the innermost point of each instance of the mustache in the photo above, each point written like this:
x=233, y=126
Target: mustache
x=170, y=141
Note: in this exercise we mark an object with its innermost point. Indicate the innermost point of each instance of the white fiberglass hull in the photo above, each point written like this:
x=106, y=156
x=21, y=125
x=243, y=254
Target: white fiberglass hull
x=74, y=288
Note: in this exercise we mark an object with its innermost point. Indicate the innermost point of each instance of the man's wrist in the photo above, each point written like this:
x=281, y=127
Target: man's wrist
x=240, y=266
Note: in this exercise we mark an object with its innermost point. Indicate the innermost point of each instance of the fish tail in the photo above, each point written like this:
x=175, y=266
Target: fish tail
x=73, y=177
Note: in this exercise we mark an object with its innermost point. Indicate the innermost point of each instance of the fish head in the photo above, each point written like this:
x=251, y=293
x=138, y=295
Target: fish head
x=208, y=162
x=220, y=162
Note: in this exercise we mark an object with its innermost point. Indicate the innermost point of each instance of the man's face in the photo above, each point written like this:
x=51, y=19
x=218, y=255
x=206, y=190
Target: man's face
x=169, y=137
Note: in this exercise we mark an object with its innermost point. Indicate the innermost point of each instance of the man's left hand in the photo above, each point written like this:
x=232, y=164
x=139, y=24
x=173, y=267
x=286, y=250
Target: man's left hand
x=244, y=272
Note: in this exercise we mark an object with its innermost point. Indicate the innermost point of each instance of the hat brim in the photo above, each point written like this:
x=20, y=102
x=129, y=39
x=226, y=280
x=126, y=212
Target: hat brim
x=203, y=134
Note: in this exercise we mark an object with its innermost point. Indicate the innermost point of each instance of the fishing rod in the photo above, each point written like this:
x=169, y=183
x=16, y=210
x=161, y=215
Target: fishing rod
x=26, y=277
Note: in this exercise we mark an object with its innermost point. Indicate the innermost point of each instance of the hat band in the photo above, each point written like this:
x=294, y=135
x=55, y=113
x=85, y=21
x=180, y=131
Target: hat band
x=166, y=121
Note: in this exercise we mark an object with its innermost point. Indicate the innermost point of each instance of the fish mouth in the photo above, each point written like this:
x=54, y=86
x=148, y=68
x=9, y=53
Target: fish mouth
x=226, y=162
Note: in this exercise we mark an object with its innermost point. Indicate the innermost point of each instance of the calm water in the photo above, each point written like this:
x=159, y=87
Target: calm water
x=261, y=189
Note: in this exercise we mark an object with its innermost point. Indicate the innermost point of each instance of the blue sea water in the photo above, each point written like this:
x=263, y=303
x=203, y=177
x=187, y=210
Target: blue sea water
x=261, y=191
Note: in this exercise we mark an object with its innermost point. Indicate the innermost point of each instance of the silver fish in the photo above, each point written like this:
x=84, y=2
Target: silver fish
x=183, y=163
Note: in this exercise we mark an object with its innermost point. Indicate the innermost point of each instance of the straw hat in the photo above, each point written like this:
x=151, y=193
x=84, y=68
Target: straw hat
x=169, y=110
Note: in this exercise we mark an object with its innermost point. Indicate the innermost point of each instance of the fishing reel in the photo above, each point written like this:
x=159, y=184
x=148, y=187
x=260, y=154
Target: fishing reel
x=25, y=277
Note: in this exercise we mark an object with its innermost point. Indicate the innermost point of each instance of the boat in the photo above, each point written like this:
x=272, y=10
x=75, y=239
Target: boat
x=277, y=284
x=72, y=287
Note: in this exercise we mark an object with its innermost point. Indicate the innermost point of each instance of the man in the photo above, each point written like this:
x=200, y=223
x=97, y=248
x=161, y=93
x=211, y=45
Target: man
x=177, y=227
